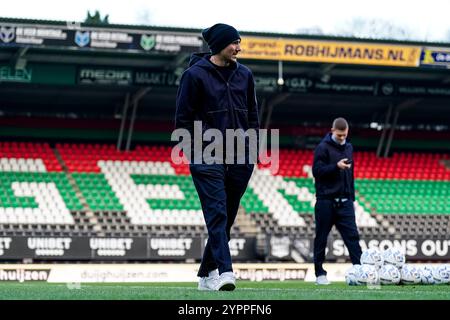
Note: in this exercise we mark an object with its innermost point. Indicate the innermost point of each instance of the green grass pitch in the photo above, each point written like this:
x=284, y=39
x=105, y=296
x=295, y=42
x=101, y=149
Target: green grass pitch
x=246, y=290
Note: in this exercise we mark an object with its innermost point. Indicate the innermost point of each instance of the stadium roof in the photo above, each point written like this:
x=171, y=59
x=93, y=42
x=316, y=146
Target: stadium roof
x=312, y=89
x=196, y=30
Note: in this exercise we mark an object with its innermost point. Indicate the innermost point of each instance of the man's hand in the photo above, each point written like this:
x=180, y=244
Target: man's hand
x=342, y=165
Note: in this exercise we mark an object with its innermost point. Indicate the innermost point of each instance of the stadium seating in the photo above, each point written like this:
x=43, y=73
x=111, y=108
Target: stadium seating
x=28, y=156
x=404, y=166
x=406, y=197
x=95, y=189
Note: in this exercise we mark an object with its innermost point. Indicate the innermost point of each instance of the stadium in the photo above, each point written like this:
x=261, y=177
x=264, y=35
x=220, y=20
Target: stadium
x=92, y=207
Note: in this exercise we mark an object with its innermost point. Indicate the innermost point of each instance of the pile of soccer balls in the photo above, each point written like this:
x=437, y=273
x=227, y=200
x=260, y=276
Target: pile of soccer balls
x=389, y=267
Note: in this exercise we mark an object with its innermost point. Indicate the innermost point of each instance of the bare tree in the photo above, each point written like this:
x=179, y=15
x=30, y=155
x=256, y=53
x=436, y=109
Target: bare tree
x=315, y=30
x=144, y=16
x=447, y=36
x=374, y=29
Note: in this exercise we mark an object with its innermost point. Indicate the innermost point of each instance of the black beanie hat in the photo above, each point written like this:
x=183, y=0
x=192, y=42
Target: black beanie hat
x=219, y=36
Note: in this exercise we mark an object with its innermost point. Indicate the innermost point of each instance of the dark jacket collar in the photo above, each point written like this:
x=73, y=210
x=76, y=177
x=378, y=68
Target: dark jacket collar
x=201, y=59
x=329, y=140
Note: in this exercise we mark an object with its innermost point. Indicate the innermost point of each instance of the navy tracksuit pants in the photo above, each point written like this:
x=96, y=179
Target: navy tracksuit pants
x=342, y=215
x=220, y=188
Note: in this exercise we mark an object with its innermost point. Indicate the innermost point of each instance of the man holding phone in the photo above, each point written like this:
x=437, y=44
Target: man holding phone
x=335, y=193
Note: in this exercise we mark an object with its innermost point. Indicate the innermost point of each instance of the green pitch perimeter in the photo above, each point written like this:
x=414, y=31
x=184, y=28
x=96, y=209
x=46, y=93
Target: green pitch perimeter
x=246, y=290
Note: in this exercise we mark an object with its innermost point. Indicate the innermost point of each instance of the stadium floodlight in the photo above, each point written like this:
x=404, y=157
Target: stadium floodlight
x=280, y=80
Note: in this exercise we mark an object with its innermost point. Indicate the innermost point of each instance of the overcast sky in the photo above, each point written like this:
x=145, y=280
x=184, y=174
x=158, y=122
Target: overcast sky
x=424, y=20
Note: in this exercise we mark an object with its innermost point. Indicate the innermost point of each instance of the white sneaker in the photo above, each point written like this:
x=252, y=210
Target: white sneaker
x=209, y=283
x=322, y=280
x=214, y=273
x=226, y=282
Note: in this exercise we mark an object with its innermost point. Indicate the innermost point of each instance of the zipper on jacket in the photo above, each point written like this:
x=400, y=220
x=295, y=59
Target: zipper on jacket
x=230, y=106
x=233, y=112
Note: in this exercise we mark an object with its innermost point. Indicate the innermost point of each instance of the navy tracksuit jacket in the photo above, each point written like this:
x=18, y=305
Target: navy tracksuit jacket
x=205, y=95
x=332, y=183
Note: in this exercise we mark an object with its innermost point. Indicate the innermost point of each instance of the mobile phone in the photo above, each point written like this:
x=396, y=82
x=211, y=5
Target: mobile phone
x=349, y=161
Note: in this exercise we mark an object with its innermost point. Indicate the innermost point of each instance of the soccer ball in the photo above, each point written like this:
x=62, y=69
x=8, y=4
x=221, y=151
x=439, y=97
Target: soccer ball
x=351, y=275
x=441, y=274
x=367, y=274
x=394, y=256
x=373, y=257
x=427, y=274
x=389, y=274
x=410, y=274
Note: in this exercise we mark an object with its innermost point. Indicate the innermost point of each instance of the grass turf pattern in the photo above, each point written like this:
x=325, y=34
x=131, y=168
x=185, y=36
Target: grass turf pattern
x=246, y=290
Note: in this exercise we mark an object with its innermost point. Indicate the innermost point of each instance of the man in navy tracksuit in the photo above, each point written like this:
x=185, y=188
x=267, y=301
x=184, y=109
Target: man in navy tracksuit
x=335, y=193
x=219, y=92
